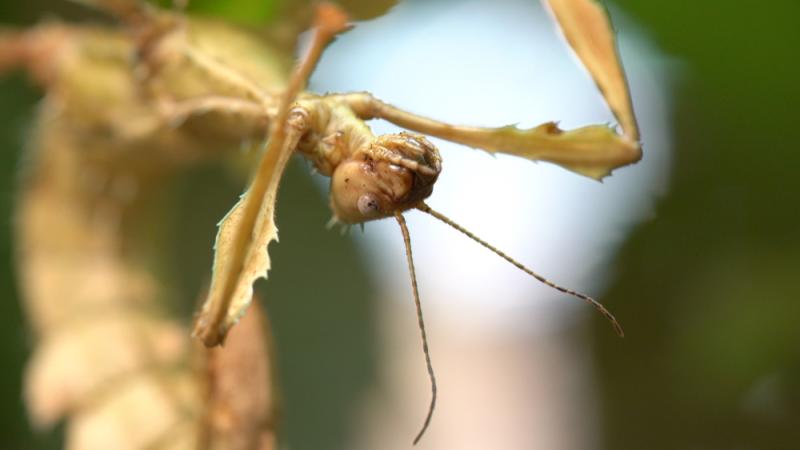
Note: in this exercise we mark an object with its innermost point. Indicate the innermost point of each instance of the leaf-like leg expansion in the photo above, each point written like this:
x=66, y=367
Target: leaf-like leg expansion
x=588, y=30
x=593, y=151
x=241, y=256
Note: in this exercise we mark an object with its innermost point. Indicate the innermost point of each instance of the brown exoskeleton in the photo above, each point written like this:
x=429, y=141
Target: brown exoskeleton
x=394, y=173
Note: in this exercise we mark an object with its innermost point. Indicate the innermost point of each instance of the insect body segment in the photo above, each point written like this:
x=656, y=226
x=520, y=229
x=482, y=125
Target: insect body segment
x=392, y=175
x=372, y=177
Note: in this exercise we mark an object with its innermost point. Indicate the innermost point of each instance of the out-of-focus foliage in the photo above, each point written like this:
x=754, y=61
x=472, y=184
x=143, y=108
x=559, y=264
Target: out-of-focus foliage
x=17, y=105
x=708, y=289
x=260, y=12
x=250, y=12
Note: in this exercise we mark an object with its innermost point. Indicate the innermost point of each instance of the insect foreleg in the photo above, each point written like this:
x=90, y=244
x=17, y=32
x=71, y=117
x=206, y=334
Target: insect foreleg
x=240, y=250
x=593, y=151
x=243, y=236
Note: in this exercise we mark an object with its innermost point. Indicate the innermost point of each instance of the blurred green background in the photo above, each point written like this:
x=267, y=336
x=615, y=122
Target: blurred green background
x=707, y=288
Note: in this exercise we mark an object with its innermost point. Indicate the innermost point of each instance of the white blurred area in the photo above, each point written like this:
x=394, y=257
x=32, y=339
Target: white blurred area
x=512, y=374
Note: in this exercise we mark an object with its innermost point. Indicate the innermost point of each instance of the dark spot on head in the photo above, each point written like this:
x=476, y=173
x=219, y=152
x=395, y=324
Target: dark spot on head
x=368, y=205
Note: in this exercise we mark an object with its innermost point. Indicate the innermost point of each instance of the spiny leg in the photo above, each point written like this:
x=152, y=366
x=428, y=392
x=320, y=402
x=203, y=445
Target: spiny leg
x=586, y=25
x=593, y=151
x=237, y=263
x=238, y=234
x=420, y=321
x=597, y=305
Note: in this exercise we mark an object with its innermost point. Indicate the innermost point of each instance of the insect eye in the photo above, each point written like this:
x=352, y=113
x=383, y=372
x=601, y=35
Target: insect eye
x=368, y=204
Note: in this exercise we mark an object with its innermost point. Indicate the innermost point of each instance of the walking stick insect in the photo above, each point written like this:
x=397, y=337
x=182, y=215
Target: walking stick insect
x=372, y=177
x=376, y=177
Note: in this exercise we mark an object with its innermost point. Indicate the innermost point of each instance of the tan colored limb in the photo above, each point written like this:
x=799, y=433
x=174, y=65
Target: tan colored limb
x=593, y=151
x=244, y=233
x=177, y=112
x=227, y=76
x=587, y=28
x=241, y=256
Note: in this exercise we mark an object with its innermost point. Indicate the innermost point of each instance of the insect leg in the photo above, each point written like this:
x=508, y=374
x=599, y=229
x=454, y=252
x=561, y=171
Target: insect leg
x=593, y=151
x=240, y=250
x=247, y=111
x=227, y=76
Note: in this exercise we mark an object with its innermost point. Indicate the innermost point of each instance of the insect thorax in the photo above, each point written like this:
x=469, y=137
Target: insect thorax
x=372, y=177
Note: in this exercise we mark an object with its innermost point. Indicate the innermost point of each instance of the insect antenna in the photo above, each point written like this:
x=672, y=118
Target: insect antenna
x=597, y=305
x=409, y=258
